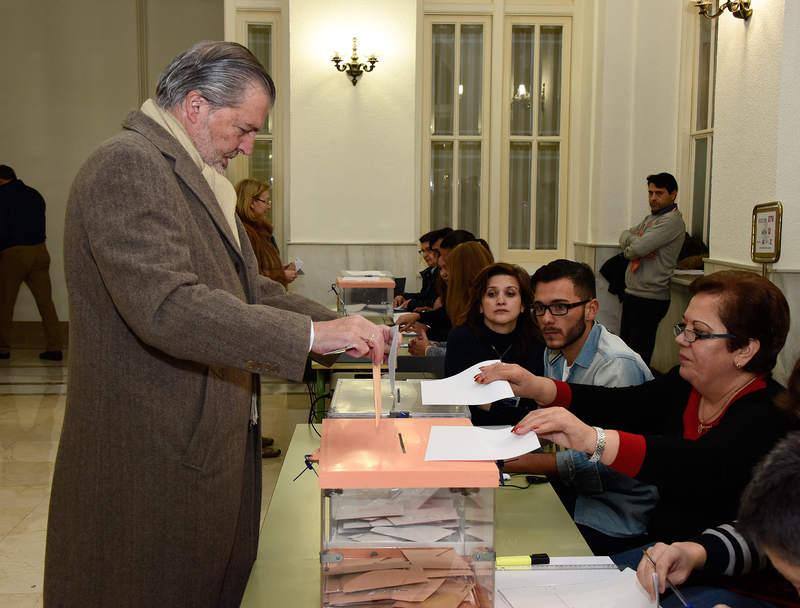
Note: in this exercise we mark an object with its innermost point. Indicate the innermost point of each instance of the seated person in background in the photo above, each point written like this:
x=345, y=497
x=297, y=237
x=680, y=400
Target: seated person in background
x=437, y=320
x=253, y=202
x=611, y=509
x=497, y=325
x=464, y=264
x=768, y=524
x=425, y=297
x=696, y=432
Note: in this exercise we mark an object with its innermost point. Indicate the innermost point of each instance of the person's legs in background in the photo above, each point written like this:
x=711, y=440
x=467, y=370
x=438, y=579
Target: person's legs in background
x=38, y=281
x=13, y=269
x=639, y=324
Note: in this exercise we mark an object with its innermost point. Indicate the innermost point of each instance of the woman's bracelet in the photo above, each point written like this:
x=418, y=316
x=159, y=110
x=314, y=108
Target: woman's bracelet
x=600, y=447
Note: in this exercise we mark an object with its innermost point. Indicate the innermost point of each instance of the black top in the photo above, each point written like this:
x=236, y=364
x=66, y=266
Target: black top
x=699, y=481
x=22, y=219
x=466, y=347
x=438, y=322
x=427, y=294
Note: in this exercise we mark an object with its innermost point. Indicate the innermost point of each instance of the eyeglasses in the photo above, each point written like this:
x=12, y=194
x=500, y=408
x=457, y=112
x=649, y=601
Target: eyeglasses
x=557, y=309
x=261, y=200
x=690, y=335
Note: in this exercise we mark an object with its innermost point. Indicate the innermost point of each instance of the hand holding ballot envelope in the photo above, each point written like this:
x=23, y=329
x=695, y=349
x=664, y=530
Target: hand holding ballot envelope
x=354, y=333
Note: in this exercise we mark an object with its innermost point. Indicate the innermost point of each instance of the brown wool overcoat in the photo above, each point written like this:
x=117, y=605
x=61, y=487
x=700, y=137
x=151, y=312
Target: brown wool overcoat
x=157, y=486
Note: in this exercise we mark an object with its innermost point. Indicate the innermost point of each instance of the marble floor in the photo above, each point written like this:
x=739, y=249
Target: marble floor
x=32, y=399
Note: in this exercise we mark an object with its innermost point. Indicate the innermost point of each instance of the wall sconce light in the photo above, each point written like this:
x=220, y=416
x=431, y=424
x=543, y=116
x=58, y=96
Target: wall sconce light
x=354, y=69
x=521, y=95
x=738, y=8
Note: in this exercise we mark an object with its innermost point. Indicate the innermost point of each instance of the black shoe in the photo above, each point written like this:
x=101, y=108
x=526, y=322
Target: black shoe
x=5, y=355
x=266, y=442
x=270, y=452
x=51, y=355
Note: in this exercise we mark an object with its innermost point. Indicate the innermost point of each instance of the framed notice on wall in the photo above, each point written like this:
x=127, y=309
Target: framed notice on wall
x=765, y=239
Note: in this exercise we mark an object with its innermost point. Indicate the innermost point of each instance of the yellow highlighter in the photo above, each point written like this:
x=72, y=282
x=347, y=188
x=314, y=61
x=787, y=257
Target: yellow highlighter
x=534, y=559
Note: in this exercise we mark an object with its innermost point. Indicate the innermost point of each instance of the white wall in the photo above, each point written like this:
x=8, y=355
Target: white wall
x=352, y=161
x=753, y=95
x=635, y=91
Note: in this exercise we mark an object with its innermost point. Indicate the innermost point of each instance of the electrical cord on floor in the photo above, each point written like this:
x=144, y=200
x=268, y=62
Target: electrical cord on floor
x=530, y=480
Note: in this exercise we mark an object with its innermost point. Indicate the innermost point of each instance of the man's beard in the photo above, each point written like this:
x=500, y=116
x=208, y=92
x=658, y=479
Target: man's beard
x=573, y=334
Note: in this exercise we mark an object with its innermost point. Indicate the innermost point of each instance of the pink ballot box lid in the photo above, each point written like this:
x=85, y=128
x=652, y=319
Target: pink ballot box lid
x=355, y=454
x=368, y=282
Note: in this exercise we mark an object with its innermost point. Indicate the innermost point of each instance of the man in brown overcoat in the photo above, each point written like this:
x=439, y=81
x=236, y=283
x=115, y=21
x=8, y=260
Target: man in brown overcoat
x=157, y=487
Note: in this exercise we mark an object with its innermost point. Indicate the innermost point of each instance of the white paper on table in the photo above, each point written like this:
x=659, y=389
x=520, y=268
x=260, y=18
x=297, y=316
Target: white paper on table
x=393, y=361
x=462, y=389
x=364, y=273
x=476, y=443
x=603, y=589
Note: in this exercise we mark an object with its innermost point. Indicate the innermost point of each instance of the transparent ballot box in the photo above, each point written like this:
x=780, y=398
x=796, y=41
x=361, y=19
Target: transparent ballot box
x=365, y=292
x=400, y=531
x=353, y=398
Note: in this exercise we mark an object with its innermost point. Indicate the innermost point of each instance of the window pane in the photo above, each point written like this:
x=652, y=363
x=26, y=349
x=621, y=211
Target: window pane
x=703, y=73
x=259, y=41
x=469, y=88
x=469, y=171
x=550, y=80
x=521, y=79
x=441, y=184
x=444, y=53
x=519, y=196
x=699, y=185
x=547, y=196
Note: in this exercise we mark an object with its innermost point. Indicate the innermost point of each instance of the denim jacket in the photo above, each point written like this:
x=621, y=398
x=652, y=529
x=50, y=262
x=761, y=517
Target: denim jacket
x=607, y=501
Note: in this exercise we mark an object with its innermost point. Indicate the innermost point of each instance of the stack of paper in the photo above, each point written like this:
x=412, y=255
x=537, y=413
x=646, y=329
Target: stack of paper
x=476, y=443
x=403, y=578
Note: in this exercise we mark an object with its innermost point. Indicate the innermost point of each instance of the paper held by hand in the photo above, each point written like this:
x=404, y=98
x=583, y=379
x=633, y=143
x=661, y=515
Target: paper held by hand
x=462, y=389
x=476, y=443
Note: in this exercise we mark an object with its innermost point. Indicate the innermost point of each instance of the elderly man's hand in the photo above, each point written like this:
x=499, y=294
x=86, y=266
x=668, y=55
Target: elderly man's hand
x=359, y=336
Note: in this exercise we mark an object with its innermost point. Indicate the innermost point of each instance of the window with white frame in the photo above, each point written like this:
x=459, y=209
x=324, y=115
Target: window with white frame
x=259, y=30
x=456, y=119
x=701, y=130
x=535, y=136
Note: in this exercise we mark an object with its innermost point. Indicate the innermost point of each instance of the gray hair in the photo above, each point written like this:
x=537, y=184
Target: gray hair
x=219, y=71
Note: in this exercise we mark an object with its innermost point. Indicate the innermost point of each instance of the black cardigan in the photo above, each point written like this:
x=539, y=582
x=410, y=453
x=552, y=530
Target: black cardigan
x=699, y=481
x=466, y=347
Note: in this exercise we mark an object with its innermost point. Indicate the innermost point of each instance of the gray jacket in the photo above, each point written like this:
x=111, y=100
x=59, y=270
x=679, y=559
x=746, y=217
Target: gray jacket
x=656, y=242
x=157, y=485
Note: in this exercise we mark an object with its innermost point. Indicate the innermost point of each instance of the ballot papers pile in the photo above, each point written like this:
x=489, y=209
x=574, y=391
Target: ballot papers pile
x=404, y=578
x=422, y=547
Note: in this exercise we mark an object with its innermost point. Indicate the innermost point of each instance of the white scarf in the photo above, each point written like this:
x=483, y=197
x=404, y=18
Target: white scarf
x=223, y=190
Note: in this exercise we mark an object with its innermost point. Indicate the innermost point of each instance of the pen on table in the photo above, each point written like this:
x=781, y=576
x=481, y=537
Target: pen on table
x=402, y=445
x=672, y=587
x=534, y=559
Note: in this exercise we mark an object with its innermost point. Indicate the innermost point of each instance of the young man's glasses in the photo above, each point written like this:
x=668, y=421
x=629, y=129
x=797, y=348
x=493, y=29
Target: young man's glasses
x=557, y=309
x=690, y=335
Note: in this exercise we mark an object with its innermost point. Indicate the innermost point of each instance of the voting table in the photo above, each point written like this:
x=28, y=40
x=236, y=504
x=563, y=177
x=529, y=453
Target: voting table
x=287, y=569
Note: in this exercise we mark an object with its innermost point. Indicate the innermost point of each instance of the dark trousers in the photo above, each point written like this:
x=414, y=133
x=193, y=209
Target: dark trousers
x=640, y=319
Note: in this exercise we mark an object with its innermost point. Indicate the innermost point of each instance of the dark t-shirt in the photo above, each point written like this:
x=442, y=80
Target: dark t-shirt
x=22, y=215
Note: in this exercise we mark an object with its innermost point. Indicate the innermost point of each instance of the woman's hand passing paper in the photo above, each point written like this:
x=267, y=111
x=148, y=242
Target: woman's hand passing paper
x=523, y=382
x=560, y=426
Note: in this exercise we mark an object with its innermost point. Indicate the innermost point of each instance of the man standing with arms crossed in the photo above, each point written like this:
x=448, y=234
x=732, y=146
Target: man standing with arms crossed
x=157, y=486
x=652, y=247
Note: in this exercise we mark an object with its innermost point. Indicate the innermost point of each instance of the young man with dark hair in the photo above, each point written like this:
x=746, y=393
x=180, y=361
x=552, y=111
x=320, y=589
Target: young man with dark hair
x=611, y=510
x=652, y=247
x=425, y=297
x=767, y=531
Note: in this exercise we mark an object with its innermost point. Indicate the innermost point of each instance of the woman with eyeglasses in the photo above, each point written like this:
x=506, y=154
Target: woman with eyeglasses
x=697, y=431
x=253, y=203
x=496, y=323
